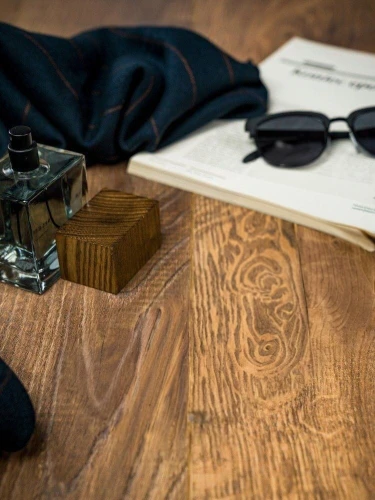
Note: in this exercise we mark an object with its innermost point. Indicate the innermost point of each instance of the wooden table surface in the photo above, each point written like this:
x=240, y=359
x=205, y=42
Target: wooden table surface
x=239, y=362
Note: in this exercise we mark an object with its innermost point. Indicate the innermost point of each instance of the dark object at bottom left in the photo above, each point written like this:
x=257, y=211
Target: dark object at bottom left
x=17, y=416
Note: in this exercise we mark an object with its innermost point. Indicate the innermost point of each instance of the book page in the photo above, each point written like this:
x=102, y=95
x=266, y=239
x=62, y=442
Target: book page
x=305, y=75
x=339, y=187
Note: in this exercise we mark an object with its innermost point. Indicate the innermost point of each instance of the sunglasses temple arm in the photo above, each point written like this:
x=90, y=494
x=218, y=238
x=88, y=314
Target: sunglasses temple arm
x=252, y=156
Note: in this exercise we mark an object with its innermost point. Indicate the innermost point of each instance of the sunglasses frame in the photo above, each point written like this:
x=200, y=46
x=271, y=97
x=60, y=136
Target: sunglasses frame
x=252, y=125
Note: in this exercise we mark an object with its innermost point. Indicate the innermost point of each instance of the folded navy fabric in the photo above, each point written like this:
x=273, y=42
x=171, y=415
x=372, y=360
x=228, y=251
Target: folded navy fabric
x=112, y=92
x=17, y=417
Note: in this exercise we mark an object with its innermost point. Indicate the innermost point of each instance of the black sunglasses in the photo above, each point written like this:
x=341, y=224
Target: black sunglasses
x=297, y=138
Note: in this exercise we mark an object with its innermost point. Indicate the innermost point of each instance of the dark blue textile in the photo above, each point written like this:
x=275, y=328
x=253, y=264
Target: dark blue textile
x=17, y=417
x=112, y=92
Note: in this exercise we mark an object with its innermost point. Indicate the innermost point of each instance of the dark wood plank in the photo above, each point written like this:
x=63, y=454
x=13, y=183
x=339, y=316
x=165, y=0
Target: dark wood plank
x=68, y=17
x=255, y=29
x=107, y=374
x=338, y=418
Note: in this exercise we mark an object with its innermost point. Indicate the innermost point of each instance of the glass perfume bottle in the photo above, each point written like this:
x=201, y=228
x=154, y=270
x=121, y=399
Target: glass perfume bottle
x=40, y=189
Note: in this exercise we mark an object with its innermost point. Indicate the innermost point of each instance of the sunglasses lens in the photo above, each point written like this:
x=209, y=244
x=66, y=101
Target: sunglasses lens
x=364, y=130
x=291, y=141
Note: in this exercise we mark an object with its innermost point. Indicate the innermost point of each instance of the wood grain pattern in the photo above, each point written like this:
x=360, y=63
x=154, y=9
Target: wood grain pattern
x=276, y=399
x=244, y=418
x=109, y=240
x=107, y=374
x=281, y=336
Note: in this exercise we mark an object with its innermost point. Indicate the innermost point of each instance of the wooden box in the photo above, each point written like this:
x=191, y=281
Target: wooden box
x=106, y=243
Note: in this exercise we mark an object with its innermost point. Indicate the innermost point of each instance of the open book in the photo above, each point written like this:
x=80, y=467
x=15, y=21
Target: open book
x=336, y=194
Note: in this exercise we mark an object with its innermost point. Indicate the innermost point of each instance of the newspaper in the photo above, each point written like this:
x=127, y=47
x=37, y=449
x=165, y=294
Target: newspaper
x=338, y=188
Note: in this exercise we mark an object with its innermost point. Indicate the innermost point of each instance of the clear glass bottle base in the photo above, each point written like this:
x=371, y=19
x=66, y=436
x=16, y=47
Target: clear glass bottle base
x=33, y=205
x=16, y=270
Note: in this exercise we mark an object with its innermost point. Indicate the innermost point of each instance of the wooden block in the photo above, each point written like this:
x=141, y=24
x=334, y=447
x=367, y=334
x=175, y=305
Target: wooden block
x=106, y=243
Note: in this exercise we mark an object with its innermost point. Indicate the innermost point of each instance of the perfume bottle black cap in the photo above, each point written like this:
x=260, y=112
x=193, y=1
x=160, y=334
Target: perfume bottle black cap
x=23, y=151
